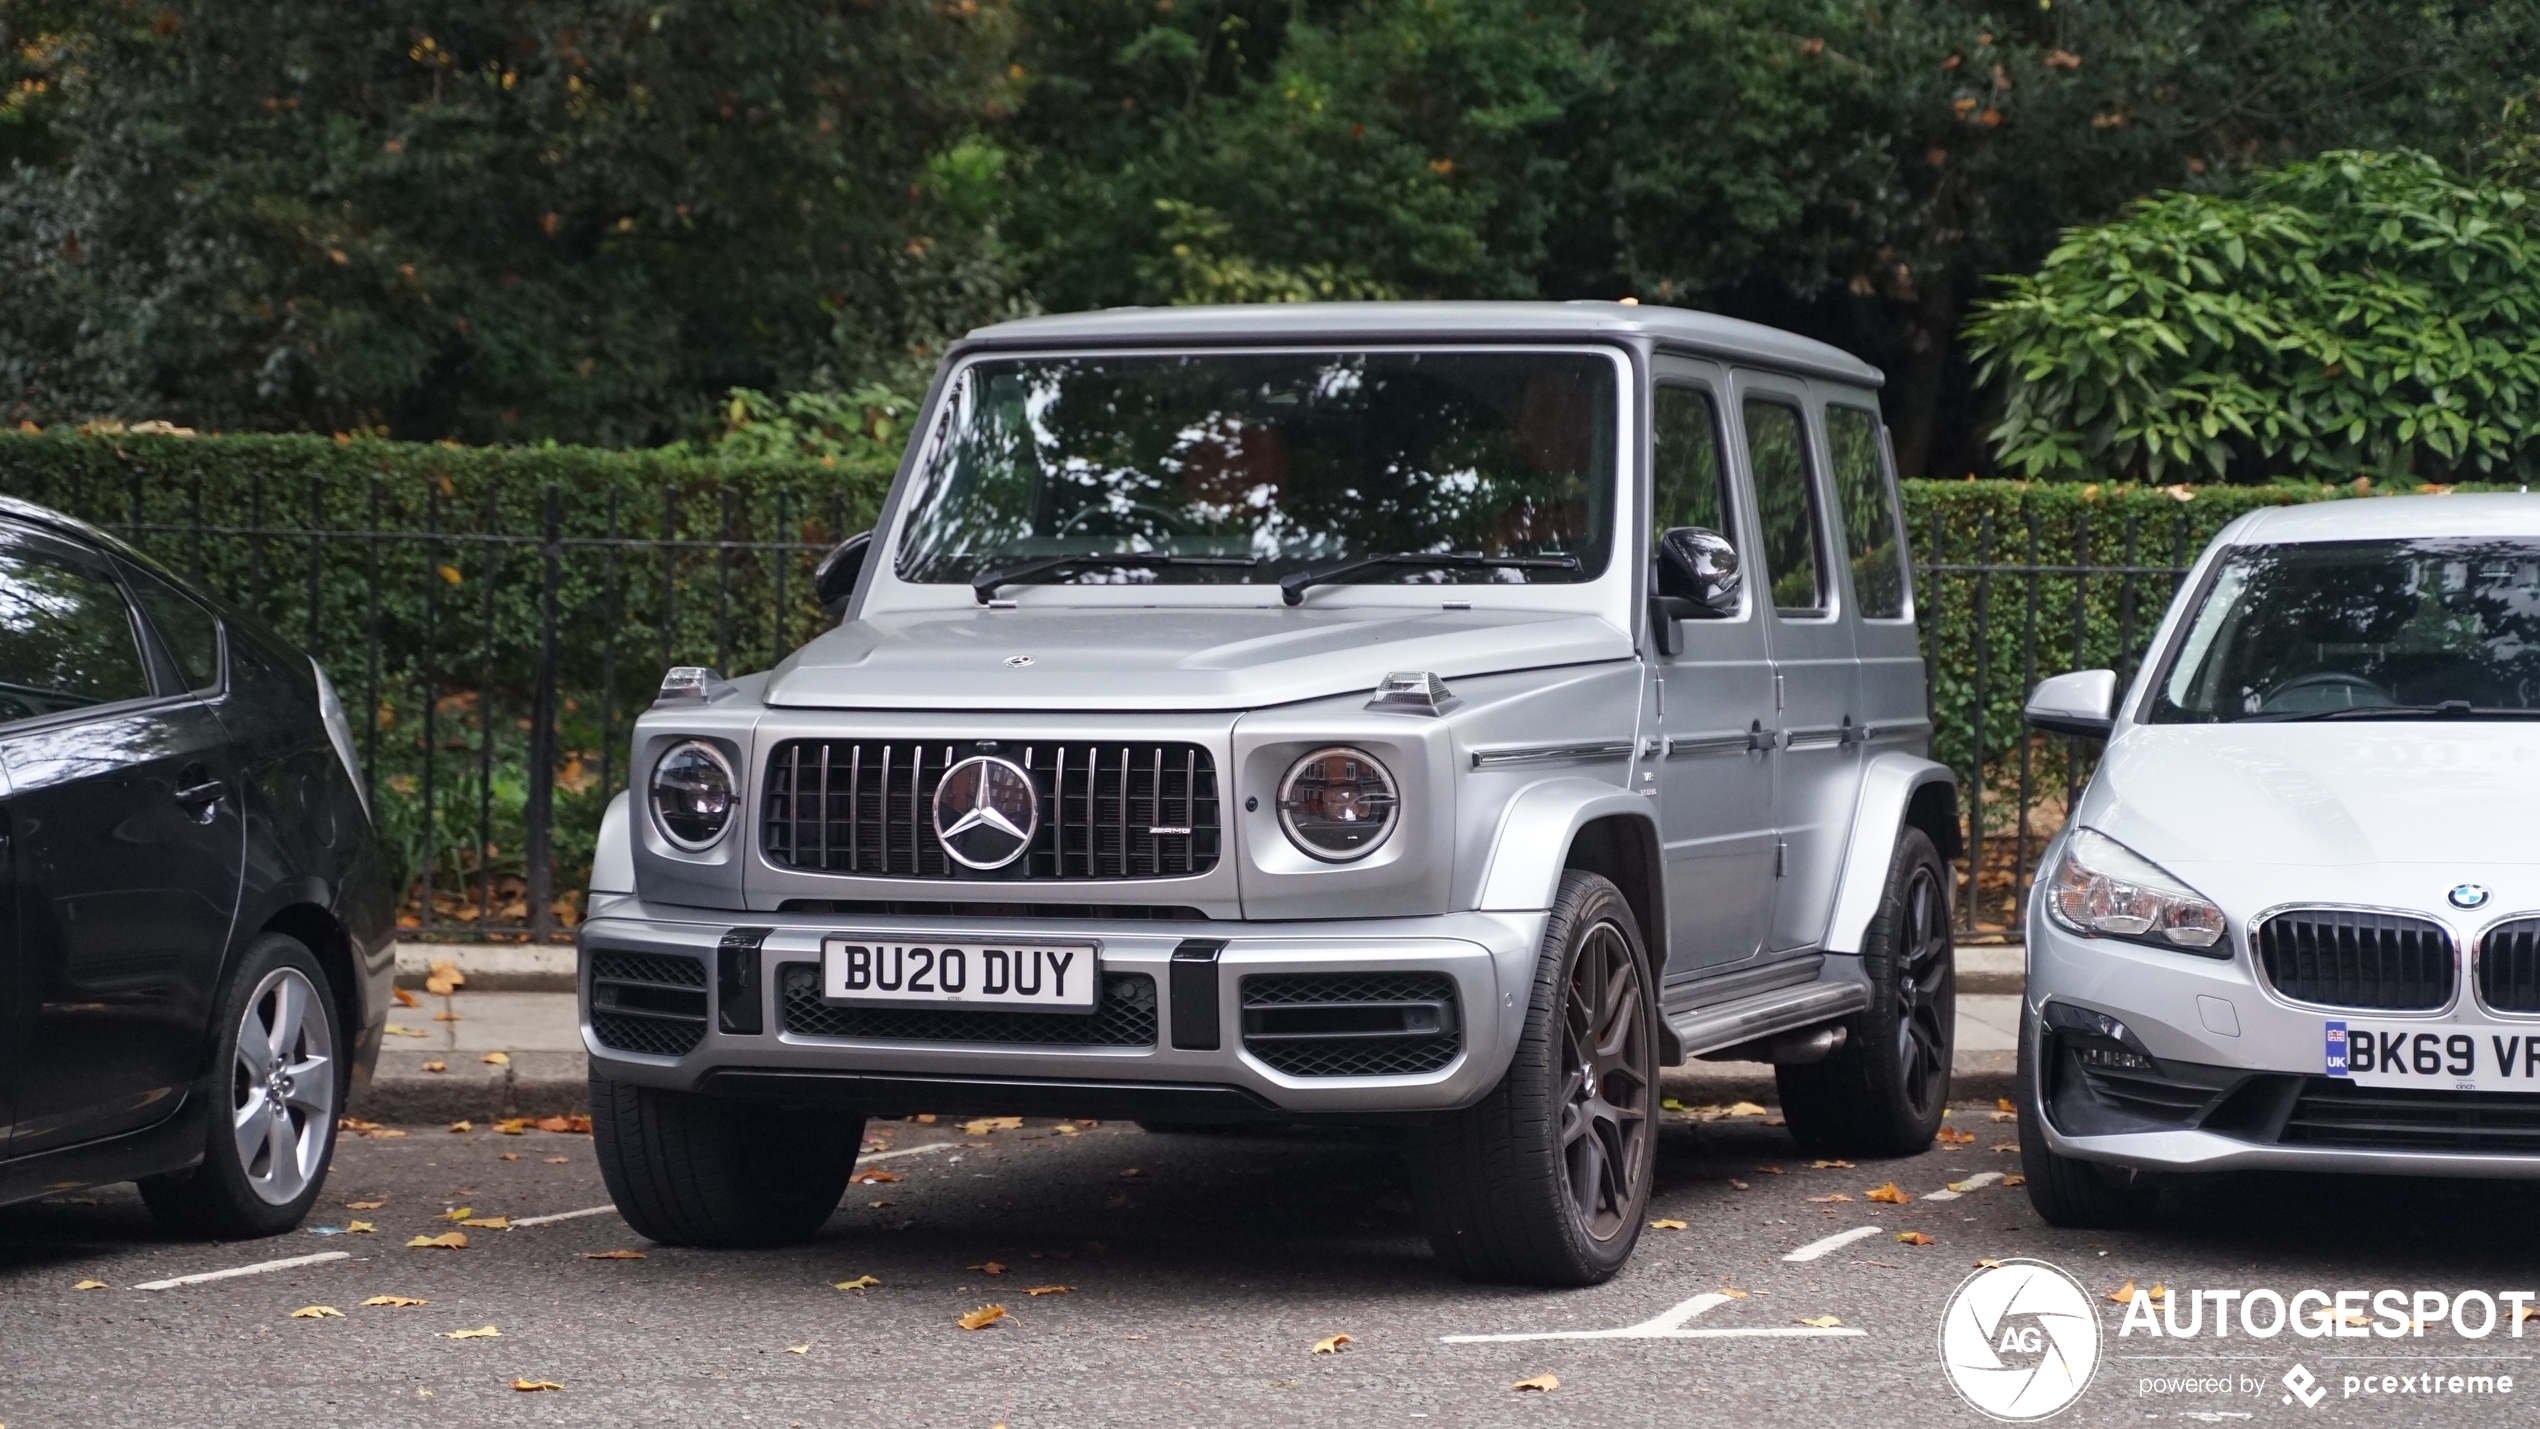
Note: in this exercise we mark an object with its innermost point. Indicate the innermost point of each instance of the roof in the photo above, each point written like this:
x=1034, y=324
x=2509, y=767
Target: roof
x=1679, y=328
x=2394, y=518
x=58, y=522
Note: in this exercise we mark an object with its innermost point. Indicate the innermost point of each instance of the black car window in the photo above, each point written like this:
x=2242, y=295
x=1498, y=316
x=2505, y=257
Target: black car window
x=1685, y=449
x=190, y=633
x=1786, y=505
x=1869, y=512
x=66, y=637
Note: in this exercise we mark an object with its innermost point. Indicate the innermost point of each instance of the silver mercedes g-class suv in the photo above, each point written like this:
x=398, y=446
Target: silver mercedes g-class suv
x=1436, y=715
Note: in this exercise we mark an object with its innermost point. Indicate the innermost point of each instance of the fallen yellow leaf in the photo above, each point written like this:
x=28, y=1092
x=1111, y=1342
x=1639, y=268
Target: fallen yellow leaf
x=407, y=999
x=317, y=1312
x=2159, y=1291
x=983, y=1125
x=363, y=1205
x=1127, y=1171
x=90, y=1285
x=1744, y=1109
x=2011, y=1146
x=1914, y=1238
x=496, y=1059
x=2528, y=1312
x=798, y=1349
x=1329, y=1345
x=990, y=1267
x=359, y=1228
x=449, y=1240
x=513, y=1126
x=1543, y=1382
x=399, y=1301
x=982, y=1317
x=462, y=1126
x=1065, y=1128
x=1049, y=1290
x=557, y=1160
x=2123, y=1294
x=532, y=1386
x=2004, y=1104
x=872, y=1178
x=458, y=1213
x=612, y=1255
x=1955, y=1137
x=1831, y=1165
x=1988, y=1265
x=482, y=1332
x=508, y=1156
x=861, y=1282
x=489, y=1223
x=1828, y=1200
x=1732, y=1294
x=1816, y=1322
x=436, y=1066
x=1889, y=1194
x=2015, y=1180
x=1741, y=1185
x=877, y=1205
x=1666, y=1224
x=1770, y=1170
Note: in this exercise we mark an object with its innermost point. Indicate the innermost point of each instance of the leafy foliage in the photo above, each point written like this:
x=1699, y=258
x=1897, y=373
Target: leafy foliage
x=2357, y=313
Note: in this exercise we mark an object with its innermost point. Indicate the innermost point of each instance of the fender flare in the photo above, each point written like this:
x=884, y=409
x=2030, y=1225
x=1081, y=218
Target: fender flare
x=1531, y=849
x=1890, y=785
x=613, y=854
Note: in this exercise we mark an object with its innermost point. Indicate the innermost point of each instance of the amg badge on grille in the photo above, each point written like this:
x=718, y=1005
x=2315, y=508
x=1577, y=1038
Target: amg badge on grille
x=986, y=811
x=2469, y=895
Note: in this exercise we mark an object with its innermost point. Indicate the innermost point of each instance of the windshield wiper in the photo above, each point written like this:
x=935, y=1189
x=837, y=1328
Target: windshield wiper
x=984, y=585
x=1292, y=585
x=2448, y=709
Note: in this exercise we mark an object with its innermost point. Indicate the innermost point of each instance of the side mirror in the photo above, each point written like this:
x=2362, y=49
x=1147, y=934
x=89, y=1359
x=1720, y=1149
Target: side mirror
x=1697, y=579
x=2083, y=702
x=833, y=582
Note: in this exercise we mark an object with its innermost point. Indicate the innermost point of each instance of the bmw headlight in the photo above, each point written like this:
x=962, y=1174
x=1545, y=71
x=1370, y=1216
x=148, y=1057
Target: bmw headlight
x=1338, y=804
x=2104, y=889
x=692, y=795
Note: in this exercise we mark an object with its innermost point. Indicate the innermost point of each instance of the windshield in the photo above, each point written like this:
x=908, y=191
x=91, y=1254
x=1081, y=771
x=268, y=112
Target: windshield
x=1269, y=464
x=2448, y=627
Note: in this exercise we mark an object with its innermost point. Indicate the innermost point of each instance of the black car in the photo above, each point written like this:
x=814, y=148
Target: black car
x=195, y=915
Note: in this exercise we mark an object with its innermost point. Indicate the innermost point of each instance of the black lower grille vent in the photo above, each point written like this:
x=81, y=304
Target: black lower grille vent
x=1125, y=1017
x=1352, y=1024
x=2335, y=1112
x=2336, y=958
x=648, y=1003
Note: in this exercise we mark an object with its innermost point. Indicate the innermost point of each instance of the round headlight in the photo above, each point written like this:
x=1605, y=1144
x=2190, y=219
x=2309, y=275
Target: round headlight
x=1338, y=804
x=692, y=795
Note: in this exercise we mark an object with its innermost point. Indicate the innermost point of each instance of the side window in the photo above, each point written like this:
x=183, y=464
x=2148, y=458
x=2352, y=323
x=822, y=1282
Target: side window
x=66, y=636
x=1786, y=507
x=1686, y=486
x=190, y=633
x=1868, y=499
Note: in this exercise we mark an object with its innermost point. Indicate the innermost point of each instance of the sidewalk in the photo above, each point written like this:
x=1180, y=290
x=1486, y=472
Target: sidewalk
x=545, y=1073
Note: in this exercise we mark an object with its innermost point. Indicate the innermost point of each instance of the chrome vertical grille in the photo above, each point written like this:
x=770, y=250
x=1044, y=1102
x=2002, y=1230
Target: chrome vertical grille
x=2341, y=958
x=1107, y=811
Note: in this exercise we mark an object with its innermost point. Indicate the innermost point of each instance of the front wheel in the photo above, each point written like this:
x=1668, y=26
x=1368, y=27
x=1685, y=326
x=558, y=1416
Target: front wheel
x=273, y=1120
x=1544, y=1181
x=705, y=1171
x=1884, y=1091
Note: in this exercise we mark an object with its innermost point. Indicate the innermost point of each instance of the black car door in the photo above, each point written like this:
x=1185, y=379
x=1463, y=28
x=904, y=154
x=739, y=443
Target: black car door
x=125, y=843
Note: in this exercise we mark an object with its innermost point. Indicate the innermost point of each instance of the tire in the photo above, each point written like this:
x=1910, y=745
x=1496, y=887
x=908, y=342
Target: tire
x=2067, y=1191
x=713, y=1172
x=1883, y=1092
x=274, y=1092
x=1546, y=1179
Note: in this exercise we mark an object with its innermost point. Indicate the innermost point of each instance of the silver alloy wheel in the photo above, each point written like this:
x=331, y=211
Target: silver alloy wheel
x=282, y=1087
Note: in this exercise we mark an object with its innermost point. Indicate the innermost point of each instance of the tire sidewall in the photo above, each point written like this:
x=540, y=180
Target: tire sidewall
x=1587, y=901
x=1886, y=962
x=220, y=1159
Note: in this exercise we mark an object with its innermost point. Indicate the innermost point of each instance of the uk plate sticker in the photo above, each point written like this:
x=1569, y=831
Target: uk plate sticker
x=2337, y=1049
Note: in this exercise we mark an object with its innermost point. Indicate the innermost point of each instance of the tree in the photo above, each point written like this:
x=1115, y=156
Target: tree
x=2355, y=314
x=494, y=220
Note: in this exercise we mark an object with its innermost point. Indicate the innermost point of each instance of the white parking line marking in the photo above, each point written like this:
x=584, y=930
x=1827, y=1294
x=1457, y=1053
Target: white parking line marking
x=611, y=1210
x=908, y=1151
x=1669, y=1326
x=257, y=1269
x=1955, y=1189
x=1835, y=1242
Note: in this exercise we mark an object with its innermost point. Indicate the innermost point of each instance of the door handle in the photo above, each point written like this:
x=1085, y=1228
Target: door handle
x=1760, y=740
x=198, y=796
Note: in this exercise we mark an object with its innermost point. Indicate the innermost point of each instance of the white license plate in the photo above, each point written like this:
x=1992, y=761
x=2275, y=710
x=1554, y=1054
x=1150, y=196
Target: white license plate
x=2480, y=1057
x=874, y=971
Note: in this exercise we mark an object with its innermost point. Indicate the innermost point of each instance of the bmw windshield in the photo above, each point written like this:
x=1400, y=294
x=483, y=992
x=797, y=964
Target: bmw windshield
x=1244, y=468
x=2415, y=629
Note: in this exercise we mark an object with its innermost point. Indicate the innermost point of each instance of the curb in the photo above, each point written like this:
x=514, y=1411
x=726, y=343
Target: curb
x=533, y=1084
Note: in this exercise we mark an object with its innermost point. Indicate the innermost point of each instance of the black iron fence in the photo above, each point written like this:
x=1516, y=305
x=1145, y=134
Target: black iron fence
x=496, y=637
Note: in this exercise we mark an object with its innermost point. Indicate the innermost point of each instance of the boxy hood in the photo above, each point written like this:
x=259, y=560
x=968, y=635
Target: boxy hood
x=2459, y=794
x=1126, y=658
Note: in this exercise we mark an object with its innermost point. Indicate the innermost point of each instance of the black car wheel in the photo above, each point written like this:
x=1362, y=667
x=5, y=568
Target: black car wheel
x=1545, y=1180
x=709, y=1171
x=1883, y=1093
x=273, y=1123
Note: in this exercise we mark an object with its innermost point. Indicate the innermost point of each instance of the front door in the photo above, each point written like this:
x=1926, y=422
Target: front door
x=122, y=810
x=1815, y=668
x=1713, y=708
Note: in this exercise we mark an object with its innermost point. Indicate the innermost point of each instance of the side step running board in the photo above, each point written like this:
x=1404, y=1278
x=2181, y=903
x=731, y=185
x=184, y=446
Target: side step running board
x=1707, y=1029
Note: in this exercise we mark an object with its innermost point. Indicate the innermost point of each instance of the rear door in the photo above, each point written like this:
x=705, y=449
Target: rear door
x=1714, y=705
x=1893, y=705
x=126, y=846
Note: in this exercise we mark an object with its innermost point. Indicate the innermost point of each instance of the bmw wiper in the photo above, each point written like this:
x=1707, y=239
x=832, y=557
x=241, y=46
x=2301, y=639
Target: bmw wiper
x=984, y=585
x=1292, y=585
x=2448, y=709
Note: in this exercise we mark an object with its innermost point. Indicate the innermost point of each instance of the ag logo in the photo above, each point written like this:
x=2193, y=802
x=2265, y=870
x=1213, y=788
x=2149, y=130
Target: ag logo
x=2019, y=1340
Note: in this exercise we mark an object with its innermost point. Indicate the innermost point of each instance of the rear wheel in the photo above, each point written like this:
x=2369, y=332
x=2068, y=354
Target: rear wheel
x=2067, y=1191
x=707, y=1171
x=1884, y=1091
x=273, y=1117
x=1545, y=1180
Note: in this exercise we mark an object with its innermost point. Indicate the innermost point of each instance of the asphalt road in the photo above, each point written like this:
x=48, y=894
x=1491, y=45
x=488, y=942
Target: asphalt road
x=1200, y=1272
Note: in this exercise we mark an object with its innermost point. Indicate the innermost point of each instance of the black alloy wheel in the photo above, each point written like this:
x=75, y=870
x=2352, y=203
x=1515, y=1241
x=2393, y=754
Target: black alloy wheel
x=1885, y=1090
x=1607, y=1096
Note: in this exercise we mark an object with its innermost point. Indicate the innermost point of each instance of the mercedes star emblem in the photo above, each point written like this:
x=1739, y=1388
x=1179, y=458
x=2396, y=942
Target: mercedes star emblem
x=985, y=812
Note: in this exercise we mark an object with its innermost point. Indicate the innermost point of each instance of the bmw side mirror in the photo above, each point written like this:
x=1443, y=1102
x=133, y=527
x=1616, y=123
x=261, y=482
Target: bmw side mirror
x=833, y=582
x=2083, y=702
x=1697, y=579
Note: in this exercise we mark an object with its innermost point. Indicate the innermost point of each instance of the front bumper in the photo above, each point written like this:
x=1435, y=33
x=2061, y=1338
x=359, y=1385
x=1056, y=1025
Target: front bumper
x=2212, y=1071
x=1489, y=957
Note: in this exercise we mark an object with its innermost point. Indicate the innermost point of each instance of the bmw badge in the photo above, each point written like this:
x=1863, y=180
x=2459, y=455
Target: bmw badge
x=2469, y=895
